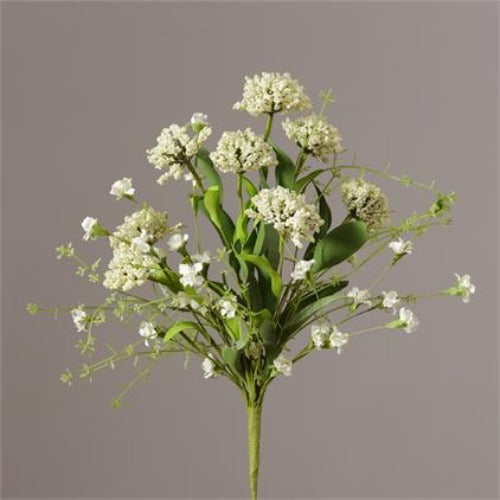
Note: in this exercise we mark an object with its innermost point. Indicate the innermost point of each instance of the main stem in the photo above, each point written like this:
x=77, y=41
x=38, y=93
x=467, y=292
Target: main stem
x=254, y=413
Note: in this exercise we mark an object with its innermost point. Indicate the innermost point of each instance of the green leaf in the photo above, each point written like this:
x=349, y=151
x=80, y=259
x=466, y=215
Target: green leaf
x=233, y=328
x=285, y=170
x=217, y=215
x=271, y=245
x=233, y=359
x=304, y=314
x=339, y=244
x=267, y=332
x=302, y=183
x=249, y=187
x=323, y=291
x=207, y=169
x=166, y=277
x=324, y=212
x=177, y=328
x=261, y=236
x=241, y=233
x=267, y=269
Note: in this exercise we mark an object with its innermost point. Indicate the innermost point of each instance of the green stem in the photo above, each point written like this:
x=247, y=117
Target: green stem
x=269, y=126
x=240, y=192
x=254, y=413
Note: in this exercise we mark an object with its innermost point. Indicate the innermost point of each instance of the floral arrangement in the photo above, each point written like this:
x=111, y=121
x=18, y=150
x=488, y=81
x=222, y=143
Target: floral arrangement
x=280, y=287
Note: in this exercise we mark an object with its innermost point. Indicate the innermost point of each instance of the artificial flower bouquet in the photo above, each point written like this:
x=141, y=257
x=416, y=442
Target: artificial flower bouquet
x=283, y=284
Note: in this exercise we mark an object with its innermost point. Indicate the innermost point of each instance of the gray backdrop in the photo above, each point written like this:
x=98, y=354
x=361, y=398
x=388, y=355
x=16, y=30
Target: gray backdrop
x=87, y=87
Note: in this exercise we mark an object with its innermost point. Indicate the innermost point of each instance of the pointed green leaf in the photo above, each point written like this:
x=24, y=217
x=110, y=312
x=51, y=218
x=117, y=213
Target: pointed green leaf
x=302, y=183
x=265, y=267
x=285, y=170
x=179, y=327
x=205, y=165
x=339, y=244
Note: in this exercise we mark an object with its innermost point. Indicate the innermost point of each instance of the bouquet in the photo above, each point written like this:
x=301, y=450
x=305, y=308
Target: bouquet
x=284, y=282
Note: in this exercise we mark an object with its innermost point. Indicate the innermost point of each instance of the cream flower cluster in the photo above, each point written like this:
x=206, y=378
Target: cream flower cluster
x=288, y=212
x=314, y=136
x=128, y=268
x=272, y=93
x=175, y=147
x=132, y=240
x=144, y=221
x=365, y=202
x=241, y=151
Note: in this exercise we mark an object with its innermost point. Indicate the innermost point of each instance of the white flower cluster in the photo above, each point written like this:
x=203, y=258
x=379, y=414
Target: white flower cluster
x=240, y=151
x=390, y=300
x=324, y=335
x=283, y=365
x=122, y=188
x=272, y=93
x=301, y=269
x=365, y=202
x=464, y=287
x=80, y=318
x=359, y=297
x=132, y=260
x=148, y=332
x=146, y=220
x=288, y=212
x=175, y=147
x=314, y=136
x=208, y=367
x=128, y=268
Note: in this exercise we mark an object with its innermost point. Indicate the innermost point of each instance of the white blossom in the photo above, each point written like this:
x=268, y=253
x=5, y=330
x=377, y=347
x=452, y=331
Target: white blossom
x=283, y=365
x=401, y=247
x=408, y=320
x=241, y=151
x=390, y=300
x=203, y=257
x=324, y=335
x=320, y=334
x=359, y=297
x=80, y=318
x=365, y=201
x=314, y=135
x=142, y=242
x=272, y=93
x=147, y=331
x=89, y=226
x=227, y=307
x=190, y=274
x=465, y=287
x=122, y=187
x=288, y=212
x=177, y=241
x=174, y=149
x=302, y=267
x=197, y=118
x=209, y=368
x=338, y=340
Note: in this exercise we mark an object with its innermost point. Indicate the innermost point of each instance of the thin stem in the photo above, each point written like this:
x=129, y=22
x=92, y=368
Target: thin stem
x=269, y=126
x=195, y=175
x=240, y=192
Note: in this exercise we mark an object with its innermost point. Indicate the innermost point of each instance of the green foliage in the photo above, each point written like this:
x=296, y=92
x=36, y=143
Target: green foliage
x=339, y=244
x=182, y=326
x=285, y=170
x=205, y=165
x=263, y=264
